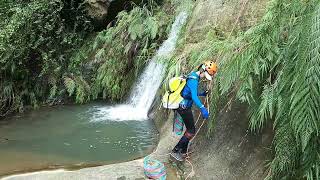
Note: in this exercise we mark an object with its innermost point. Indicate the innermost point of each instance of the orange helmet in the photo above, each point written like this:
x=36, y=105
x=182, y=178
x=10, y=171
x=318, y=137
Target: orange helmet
x=211, y=67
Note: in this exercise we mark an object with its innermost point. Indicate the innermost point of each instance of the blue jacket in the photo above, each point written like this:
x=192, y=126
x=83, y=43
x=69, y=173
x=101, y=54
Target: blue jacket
x=190, y=92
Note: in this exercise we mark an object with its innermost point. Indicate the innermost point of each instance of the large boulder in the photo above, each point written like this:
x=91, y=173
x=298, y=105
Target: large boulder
x=98, y=9
x=103, y=12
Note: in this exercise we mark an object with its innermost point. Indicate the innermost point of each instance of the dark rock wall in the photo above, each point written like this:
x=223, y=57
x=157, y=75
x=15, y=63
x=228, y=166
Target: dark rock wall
x=232, y=152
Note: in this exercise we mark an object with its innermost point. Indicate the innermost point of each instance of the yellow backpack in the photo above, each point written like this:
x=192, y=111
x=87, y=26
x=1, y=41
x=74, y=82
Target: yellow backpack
x=172, y=98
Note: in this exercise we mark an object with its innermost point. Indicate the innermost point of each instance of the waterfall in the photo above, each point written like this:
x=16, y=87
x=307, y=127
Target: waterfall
x=144, y=91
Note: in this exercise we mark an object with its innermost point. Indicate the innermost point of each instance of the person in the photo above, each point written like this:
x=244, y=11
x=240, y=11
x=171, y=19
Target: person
x=190, y=95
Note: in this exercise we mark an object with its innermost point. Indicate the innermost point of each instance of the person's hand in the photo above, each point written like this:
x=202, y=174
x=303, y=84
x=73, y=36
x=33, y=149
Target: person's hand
x=204, y=112
x=206, y=92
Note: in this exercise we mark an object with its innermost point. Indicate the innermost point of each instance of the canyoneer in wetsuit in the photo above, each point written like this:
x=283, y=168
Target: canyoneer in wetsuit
x=190, y=95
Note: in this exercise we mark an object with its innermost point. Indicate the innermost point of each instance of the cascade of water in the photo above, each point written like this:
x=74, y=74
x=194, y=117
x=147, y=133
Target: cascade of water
x=143, y=93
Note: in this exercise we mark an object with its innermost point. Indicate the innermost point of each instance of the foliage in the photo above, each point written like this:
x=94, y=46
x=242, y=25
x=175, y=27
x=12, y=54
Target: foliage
x=36, y=41
x=275, y=68
x=48, y=52
x=122, y=50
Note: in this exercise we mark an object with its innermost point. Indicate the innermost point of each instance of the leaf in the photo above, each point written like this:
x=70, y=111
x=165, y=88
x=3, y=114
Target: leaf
x=70, y=85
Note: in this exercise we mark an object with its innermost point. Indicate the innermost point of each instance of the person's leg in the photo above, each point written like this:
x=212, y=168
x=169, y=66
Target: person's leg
x=187, y=117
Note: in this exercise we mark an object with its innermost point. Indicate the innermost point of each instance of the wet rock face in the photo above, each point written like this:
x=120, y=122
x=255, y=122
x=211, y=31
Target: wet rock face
x=232, y=152
x=103, y=12
x=98, y=9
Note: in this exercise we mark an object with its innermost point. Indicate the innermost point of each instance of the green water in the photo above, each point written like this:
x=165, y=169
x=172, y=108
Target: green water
x=64, y=136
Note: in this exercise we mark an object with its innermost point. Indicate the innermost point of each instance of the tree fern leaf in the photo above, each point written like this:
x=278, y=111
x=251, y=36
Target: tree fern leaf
x=53, y=91
x=70, y=85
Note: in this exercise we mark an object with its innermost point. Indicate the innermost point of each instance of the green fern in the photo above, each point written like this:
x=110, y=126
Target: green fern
x=70, y=85
x=37, y=42
x=282, y=55
x=123, y=50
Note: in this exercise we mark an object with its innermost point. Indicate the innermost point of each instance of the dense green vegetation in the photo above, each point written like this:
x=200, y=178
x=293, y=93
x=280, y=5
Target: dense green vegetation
x=37, y=39
x=276, y=70
x=274, y=67
x=48, y=52
x=123, y=50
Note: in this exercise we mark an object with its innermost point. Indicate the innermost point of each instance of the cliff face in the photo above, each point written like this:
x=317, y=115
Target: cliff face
x=232, y=152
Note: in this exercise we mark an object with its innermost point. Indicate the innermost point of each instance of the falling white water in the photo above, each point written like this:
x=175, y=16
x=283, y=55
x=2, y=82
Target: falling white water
x=143, y=93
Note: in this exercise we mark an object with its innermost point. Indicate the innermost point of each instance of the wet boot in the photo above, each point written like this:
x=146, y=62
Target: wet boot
x=182, y=145
x=179, y=151
x=177, y=156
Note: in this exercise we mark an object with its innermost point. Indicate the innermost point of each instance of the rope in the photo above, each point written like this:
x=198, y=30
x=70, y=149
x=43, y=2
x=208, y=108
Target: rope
x=197, y=119
x=192, y=171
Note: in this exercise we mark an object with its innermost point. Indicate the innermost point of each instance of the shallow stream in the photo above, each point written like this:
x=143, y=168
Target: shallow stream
x=70, y=136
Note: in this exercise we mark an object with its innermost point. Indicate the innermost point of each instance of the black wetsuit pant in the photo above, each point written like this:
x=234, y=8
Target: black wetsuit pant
x=188, y=120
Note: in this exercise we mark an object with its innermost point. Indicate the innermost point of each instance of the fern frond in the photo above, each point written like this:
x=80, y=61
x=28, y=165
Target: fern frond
x=286, y=153
x=304, y=108
x=265, y=110
x=282, y=55
x=70, y=85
